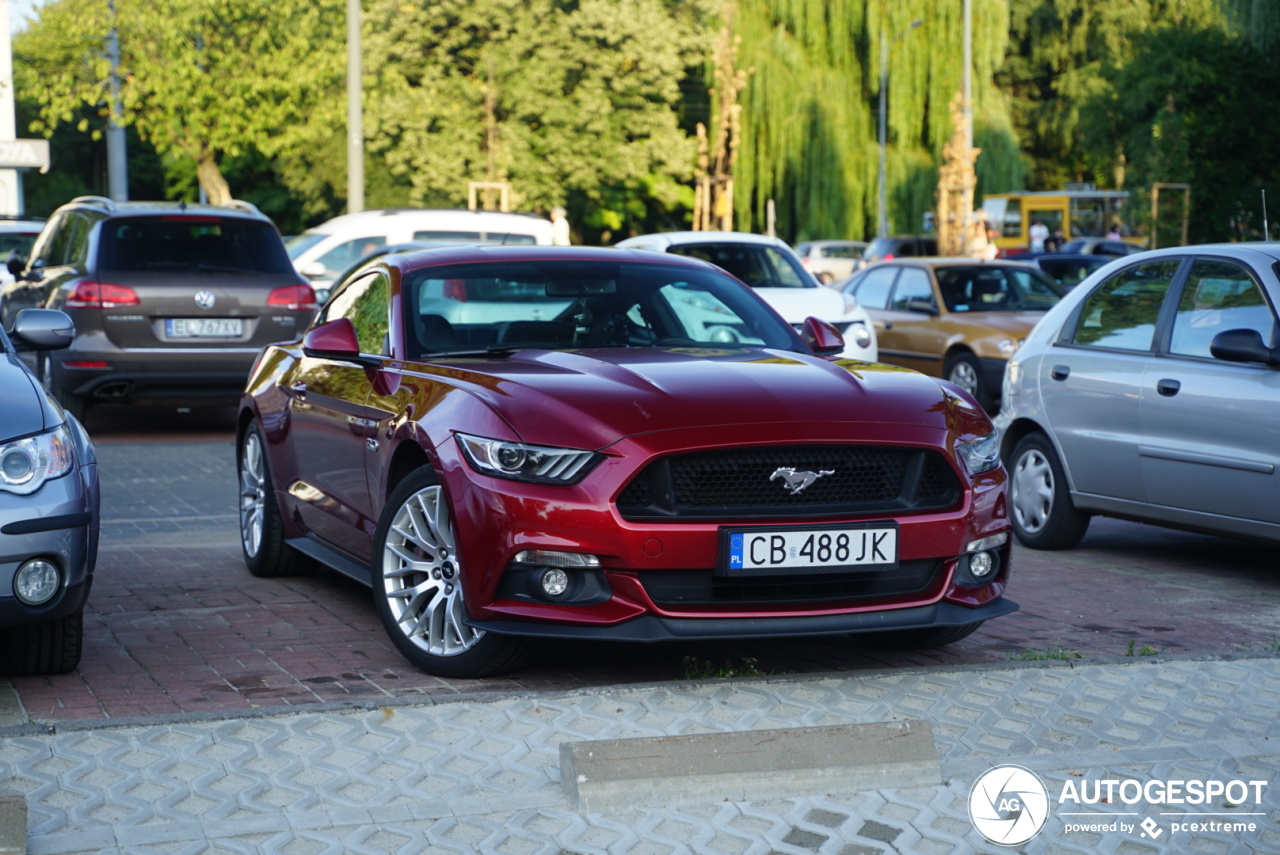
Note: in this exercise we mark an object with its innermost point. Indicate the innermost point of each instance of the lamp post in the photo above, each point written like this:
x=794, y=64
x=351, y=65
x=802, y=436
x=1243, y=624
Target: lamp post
x=882, y=221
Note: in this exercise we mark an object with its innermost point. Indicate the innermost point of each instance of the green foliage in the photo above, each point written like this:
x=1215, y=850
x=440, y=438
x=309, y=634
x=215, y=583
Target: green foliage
x=811, y=110
x=1144, y=650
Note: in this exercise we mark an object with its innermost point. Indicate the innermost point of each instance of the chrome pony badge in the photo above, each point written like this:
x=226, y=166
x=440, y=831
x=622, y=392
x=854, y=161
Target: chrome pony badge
x=798, y=481
x=205, y=299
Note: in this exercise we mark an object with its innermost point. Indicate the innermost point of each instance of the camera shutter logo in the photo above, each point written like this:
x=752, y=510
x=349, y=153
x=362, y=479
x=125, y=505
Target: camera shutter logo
x=205, y=299
x=1008, y=805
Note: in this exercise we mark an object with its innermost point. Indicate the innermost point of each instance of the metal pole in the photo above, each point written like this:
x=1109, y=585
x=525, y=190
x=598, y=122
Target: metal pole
x=11, y=201
x=355, y=114
x=882, y=221
x=117, y=155
x=1266, y=232
x=968, y=70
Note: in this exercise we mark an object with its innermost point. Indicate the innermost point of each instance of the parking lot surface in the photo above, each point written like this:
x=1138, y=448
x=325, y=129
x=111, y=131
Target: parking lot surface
x=217, y=712
x=176, y=624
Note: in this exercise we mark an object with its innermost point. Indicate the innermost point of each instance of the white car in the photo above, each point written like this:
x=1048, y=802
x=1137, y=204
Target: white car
x=774, y=270
x=323, y=252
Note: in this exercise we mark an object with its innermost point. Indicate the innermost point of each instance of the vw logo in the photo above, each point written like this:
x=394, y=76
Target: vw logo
x=205, y=299
x=796, y=481
x=1008, y=805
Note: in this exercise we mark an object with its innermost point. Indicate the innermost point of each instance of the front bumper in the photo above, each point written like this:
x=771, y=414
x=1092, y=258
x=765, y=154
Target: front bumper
x=60, y=523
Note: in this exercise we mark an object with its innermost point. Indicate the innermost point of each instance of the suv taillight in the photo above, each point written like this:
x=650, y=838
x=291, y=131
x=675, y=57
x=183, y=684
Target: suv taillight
x=101, y=295
x=296, y=298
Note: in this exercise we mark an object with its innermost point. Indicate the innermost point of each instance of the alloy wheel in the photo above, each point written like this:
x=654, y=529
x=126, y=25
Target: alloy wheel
x=1032, y=491
x=253, y=494
x=421, y=576
x=964, y=376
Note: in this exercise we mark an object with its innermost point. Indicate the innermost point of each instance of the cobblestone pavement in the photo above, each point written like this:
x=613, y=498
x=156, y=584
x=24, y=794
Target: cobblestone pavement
x=482, y=776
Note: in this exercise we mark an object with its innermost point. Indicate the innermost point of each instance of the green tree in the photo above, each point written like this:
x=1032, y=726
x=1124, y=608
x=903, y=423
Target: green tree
x=567, y=101
x=200, y=80
x=810, y=140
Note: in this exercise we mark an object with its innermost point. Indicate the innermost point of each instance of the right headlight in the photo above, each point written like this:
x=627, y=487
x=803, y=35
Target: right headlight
x=26, y=464
x=537, y=464
x=982, y=454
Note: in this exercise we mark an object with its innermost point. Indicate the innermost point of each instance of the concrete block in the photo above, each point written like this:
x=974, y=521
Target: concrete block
x=13, y=823
x=661, y=771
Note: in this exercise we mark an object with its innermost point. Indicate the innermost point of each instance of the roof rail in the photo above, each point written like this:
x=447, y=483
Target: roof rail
x=241, y=205
x=109, y=204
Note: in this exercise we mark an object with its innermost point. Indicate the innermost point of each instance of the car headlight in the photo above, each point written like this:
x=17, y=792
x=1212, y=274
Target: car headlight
x=25, y=464
x=1008, y=346
x=517, y=461
x=982, y=454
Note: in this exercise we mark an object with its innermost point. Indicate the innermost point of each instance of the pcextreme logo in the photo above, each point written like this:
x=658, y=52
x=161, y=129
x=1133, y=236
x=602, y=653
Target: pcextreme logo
x=1008, y=805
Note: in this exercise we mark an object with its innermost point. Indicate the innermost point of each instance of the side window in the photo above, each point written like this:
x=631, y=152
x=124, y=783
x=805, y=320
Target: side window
x=364, y=302
x=1011, y=227
x=77, y=239
x=1219, y=296
x=53, y=243
x=913, y=284
x=873, y=290
x=1122, y=312
x=346, y=254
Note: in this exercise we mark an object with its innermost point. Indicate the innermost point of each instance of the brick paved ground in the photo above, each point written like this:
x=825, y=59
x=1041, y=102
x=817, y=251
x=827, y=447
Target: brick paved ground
x=176, y=624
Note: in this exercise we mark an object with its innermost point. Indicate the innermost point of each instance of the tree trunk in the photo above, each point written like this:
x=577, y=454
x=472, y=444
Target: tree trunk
x=211, y=180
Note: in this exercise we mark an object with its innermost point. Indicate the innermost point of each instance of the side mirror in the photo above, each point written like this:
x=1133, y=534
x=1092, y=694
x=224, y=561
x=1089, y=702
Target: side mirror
x=314, y=270
x=822, y=338
x=925, y=307
x=43, y=329
x=1243, y=346
x=336, y=339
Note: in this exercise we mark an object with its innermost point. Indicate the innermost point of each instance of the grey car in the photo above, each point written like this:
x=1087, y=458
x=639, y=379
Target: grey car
x=172, y=302
x=49, y=504
x=1150, y=393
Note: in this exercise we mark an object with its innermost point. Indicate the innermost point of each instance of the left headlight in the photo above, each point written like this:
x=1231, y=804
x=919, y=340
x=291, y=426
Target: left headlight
x=25, y=464
x=537, y=464
x=982, y=454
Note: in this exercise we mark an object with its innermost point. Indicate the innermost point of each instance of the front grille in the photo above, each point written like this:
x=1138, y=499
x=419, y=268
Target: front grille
x=747, y=483
x=688, y=588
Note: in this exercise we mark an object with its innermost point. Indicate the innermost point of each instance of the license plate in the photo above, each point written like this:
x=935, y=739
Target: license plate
x=204, y=327
x=808, y=549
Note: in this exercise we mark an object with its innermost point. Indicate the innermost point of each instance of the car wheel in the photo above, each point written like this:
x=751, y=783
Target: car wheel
x=419, y=592
x=261, y=527
x=964, y=370
x=76, y=406
x=920, y=639
x=51, y=647
x=1043, y=514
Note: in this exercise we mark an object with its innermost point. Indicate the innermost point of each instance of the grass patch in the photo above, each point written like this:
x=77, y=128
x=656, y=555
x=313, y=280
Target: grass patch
x=1274, y=644
x=701, y=669
x=1037, y=654
x=1144, y=650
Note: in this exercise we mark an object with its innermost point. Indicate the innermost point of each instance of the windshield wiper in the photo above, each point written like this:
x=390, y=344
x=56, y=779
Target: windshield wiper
x=491, y=350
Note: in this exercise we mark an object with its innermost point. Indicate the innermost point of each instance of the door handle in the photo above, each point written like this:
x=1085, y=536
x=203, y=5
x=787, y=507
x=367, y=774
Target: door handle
x=1060, y=372
x=882, y=325
x=1168, y=388
x=298, y=390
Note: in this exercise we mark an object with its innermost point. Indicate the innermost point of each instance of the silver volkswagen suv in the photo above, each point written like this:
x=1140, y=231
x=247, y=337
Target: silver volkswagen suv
x=171, y=302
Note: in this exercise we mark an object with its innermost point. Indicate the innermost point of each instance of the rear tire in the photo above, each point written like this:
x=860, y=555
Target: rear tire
x=76, y=406
x=922, y=639
x=261, y=526
x=419, y=592
x=1040, y=506
x=51, y=647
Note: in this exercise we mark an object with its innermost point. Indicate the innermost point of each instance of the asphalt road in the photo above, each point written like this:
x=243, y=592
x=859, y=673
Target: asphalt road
x=176, y=624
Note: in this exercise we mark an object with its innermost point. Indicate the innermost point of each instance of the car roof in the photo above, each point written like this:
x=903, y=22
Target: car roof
x=234, y=208
x=20, y=225
x=662, y=240
x=472, y=254
x=343, y=221
x=957, y=261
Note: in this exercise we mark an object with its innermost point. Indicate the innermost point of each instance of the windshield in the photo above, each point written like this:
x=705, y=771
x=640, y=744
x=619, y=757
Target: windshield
x=299, y=244
x=758, y=266
x=985, y=288
x=199, y=242
x=479, y=308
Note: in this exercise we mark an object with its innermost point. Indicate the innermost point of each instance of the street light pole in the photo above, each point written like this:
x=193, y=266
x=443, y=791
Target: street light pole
x=355, y=112
x=882, y=221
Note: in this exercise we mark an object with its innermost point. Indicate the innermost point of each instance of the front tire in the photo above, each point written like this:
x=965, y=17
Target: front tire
x=51, y=647
x=964, y=370
x=419, y=592
x=1041, y=510
x=261, y=526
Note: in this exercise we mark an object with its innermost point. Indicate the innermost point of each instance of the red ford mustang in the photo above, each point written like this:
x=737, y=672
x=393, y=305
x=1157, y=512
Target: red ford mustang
x=514, y=443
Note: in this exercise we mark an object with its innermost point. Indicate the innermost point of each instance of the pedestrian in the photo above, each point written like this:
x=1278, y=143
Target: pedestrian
x=559, y=227
x=1114, y=233
x=1038, y=233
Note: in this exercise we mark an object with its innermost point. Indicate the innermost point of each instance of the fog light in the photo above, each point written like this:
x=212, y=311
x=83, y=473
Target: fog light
x=981, y=565
x=36, y=582
x=554, y=582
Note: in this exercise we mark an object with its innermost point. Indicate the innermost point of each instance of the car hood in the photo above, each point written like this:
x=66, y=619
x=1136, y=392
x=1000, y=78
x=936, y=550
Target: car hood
x=593, y=398
x=23, y=408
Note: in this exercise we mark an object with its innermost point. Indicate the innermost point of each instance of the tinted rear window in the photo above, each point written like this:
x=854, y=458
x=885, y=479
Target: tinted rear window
x=192, y=242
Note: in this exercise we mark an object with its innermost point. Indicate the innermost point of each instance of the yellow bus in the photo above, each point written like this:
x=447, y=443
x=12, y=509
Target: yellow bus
x=1074, y=213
